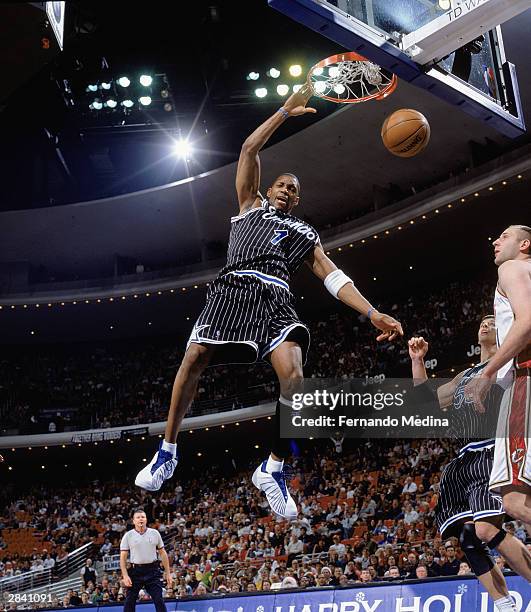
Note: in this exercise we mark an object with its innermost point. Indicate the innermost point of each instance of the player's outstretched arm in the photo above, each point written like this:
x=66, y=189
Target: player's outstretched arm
x=248, y=172
x=342, y=287
x=418, y=347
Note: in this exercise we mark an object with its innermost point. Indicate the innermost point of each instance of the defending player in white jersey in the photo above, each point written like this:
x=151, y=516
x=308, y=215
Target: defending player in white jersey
x=511, y=473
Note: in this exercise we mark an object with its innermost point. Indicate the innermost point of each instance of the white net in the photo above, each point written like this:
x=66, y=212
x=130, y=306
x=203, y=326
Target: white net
x=350, y=81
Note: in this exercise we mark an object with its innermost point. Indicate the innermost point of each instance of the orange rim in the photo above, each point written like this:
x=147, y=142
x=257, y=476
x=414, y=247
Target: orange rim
x=349, y=56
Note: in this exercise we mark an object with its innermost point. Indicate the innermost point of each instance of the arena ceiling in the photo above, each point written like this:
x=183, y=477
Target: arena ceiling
x=344, y=170
x=206, y=51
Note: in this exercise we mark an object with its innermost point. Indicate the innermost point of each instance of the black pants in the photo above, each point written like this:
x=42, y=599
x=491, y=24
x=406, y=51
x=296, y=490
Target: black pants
x=147, y=576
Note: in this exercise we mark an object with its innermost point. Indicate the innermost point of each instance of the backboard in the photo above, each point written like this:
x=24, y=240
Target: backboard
x=452, y=48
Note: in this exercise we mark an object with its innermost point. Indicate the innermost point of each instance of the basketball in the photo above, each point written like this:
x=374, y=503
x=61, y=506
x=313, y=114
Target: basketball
x=405, y=132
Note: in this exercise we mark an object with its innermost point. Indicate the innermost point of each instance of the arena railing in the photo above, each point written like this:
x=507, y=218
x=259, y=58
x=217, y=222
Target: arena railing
x=211, y=419
x=25, y=582
x=74, y=561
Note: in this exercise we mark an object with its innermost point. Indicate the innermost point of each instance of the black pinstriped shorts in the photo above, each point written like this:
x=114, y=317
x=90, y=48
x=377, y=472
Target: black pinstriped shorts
x=247, y=316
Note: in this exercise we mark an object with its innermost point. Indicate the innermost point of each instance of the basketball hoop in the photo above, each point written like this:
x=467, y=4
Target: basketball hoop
x=349, y=78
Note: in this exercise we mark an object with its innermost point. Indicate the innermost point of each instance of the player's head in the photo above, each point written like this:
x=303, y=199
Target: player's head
x=487, y=331
x=139, y=518
x=513, y=243
x=284, y=192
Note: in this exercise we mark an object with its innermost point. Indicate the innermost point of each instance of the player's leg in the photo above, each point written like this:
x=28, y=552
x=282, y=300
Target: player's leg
x=286, y=360
x=196, y=359
x=490, y=531
x=269, y=477
x=517, y=503
x=164, y=462
x=511, y=472
x=485, y=569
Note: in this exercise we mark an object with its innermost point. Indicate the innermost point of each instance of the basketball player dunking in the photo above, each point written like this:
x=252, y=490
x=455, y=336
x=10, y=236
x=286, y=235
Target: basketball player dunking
x=249, y=313
x=466, y=508
x=511, y=473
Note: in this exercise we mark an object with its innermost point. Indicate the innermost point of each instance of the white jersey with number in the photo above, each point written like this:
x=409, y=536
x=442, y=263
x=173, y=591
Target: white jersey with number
x=504, y=318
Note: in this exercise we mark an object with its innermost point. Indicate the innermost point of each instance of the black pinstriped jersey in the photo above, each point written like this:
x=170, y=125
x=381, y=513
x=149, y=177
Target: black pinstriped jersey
x=269, y=241
x=469, y=427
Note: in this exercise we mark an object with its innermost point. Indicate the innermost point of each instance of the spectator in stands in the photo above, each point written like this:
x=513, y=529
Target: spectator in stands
x=450, y=567
x=393, y=573
x=434, y=569
x=338, y=546
x=410, y=514
x=501, y=563
x=365, y=576
x=97, y=596
x=289, y=582
x=294, y=547
x=201, y=589
x=106, y=547
x=464, y=569
x=421, y=572
x=88, y=573
x=409, y=486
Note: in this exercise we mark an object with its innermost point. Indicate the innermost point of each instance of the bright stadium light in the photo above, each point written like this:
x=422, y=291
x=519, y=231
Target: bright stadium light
x=128, y=103
x=282, y=89
x=146, y=80
x=253, y=76
x=111, y=103
x=124, y=81
x=97, y=104
x=260, y=92
x=92, y=87
x=145, y=100
x=182, y=148
x=295, y=70
x=274, y=73
x=105, y=85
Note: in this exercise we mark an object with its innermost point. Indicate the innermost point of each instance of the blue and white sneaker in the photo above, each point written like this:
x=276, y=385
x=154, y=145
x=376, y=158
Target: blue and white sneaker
x=275, y=488
x=160, y=469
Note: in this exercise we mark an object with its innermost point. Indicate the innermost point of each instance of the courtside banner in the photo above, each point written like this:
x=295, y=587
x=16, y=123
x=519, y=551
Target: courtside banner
x=459, y=594
x=387, y=408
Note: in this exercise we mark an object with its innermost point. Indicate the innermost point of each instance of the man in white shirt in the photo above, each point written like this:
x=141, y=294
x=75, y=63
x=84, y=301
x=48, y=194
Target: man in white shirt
x=410, y=514
x=141, y=544
x=338, y=547
x=410, y=486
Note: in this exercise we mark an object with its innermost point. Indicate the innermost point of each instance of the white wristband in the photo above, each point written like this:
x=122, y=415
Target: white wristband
x=335, y=280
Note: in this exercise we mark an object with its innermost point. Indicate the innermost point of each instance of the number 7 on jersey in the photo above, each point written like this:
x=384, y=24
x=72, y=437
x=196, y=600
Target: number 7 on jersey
x=279, y=235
